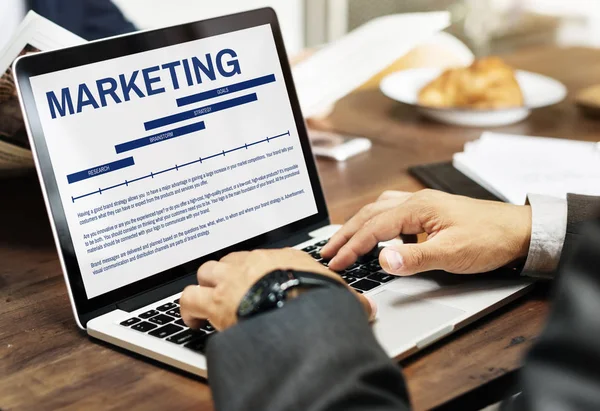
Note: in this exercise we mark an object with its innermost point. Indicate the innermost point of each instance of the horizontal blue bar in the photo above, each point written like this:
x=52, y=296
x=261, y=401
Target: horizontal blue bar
x=244, y=85
x=186, y=115
x=157, y=138
x=99, y=170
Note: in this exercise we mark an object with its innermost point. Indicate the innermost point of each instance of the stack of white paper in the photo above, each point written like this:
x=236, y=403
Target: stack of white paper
x=512, y=166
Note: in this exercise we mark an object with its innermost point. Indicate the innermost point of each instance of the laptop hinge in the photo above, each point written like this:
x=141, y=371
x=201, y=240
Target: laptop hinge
x=156, y=294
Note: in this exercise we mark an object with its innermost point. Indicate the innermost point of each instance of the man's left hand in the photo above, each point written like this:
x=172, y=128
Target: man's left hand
x=223, y=284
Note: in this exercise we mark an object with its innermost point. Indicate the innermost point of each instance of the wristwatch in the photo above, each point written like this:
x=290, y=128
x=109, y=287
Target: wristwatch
x=272, y=290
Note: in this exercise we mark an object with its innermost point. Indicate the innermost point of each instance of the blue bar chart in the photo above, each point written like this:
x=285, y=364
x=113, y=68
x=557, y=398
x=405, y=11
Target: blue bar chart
x=181, y=131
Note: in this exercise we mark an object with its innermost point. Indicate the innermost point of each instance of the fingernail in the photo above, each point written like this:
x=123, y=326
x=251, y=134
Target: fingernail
x=333, y=261
x=393, y=258
x=373, y=309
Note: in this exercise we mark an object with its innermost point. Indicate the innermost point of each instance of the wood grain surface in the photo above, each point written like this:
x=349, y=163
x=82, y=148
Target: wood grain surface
x=46, y=363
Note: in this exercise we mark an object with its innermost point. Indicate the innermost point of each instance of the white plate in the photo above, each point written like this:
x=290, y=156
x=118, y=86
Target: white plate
x=538, y=91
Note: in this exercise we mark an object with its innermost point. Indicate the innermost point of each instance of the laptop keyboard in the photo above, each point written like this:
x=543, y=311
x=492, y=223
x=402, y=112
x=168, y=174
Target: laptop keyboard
x=362, y=276
x=164, y=321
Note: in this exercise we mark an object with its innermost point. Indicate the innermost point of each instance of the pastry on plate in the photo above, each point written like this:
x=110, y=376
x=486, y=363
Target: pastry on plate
x=488, y=83
x=588, y=100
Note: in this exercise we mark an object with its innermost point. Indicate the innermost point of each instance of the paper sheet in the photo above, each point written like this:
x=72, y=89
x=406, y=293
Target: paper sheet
x=512, y=166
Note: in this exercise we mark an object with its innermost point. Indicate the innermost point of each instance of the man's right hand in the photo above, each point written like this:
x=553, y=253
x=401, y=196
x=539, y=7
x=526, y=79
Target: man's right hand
x=464, y=235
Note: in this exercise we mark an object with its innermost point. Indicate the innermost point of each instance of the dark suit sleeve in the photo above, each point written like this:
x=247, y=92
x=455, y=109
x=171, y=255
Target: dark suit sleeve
x=581, y=210
x=562, y=371
x=103, y=19
x=317, y=353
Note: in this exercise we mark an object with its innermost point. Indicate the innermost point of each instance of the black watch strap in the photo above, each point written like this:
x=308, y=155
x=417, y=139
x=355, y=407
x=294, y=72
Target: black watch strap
x=314, y=280
x=271, y=291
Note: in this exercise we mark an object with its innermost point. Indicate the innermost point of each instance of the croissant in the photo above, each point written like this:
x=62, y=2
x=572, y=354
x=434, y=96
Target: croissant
x=488, y=83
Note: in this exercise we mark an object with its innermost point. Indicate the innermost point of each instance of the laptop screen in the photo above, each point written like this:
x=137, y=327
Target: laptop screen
x=163, y=156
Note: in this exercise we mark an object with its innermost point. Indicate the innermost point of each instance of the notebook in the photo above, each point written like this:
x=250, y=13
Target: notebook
x=511, y=166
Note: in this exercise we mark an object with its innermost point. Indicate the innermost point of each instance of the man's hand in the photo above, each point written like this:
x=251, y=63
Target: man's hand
x=464, y=236
x=223, y=284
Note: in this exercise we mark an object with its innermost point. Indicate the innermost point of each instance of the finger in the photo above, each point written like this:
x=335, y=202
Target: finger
x=368, y=304
x=382, y=227
x=344, y=234
x=203, y=274
x=397, y=195
x=196, y=305
x=212, y=273
x=409, y=259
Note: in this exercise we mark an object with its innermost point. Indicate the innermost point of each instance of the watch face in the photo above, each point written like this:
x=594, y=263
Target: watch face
x=253, y=298
x=265, y=294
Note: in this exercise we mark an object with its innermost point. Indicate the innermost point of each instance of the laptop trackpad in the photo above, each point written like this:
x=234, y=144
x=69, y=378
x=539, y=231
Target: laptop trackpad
x=405, y=320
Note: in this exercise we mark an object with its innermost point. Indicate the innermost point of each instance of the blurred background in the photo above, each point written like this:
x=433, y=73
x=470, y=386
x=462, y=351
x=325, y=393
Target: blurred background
x=486, y=26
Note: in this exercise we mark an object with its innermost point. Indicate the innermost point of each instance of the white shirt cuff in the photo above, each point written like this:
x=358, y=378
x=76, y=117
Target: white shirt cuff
x=548, y=232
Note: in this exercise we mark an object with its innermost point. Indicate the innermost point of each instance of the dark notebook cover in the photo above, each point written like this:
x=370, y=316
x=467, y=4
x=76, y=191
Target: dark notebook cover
x=444, y=177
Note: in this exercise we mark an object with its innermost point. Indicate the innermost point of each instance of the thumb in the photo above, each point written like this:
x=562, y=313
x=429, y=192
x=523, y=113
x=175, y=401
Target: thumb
x=409, y=259
x=368, y=304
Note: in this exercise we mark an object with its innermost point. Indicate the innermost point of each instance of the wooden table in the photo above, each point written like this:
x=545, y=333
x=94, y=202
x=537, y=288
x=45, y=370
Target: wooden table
x=47, y=363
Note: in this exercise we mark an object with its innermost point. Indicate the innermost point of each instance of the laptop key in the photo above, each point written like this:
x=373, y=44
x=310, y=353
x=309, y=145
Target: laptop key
x=365, y=285
x=373, y=266
x=358, y=273
x=316, y=255
x=180, y=322
x=166, y=307
x=144, y=326
x=348, y=279
x=174, y=313
x=131, y=321
x=165, y=331
x=372, y=255
x=186, y=336
x=148, y=314
x=321, y=243
x=309, y=249
x=381, y=277
x=161, y=319
x=199, y=344
x=207, y=326
x=176, y=301
x=353, y=267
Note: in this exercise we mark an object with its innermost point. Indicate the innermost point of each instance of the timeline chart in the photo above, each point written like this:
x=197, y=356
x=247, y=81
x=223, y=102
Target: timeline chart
x=177, y=167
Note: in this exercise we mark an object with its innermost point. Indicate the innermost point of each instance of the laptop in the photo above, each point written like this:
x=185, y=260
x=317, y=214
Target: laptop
x=160, y=150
